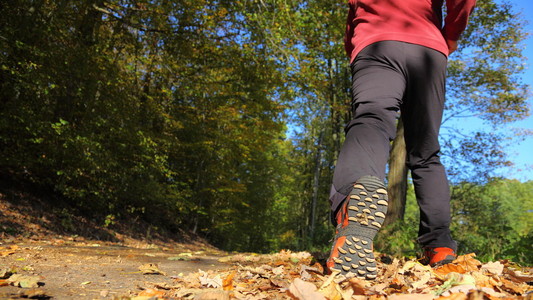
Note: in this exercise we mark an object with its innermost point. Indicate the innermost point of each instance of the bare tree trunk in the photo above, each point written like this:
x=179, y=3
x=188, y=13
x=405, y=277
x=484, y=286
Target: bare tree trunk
x=316, y=183
x=397, y=177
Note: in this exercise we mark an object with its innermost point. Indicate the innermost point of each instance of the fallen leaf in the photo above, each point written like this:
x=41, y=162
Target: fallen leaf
x=302, y=290
x=495, y=268
x=464, y=288
x=392, y=269
x=512, y=287
x=378, y=288
x=279, y=270
x=5, y=273
x=424, y=278
x=24, y=281
x=85, y=283
x=183, y=258
x=215, y=282
x=317, y=268
x=491, y=292
x=451, y=280
x=331, y=291
x=213, y=295
x=151, y=269
x=8, y=251
x=358, y=286
x=34, y=294
x=279, y=283
x=519, y=275
x=458, y=296
x=152, y=293
x=407, y=266
x=483, y=280
x=468, y=262
x=411, y=296
x=449, y=268
x=227, y=284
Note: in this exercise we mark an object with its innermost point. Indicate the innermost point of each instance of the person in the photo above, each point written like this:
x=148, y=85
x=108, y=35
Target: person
x=398, y=53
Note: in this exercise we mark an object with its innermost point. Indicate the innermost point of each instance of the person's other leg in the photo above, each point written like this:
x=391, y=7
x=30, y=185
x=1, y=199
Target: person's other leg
x=422, y=115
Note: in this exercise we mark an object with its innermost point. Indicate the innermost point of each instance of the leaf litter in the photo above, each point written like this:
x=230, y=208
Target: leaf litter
x=297, y=275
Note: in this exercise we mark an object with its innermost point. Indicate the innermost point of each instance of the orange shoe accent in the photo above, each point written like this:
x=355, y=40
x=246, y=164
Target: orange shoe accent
x=438, y=256
x=335, y=252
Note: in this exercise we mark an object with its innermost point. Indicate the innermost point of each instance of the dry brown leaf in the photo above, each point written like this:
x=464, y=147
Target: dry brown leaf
x=24, y=281
x=463, y=288
x=483, y=280
x=358, y=286
x=457, y=296
x=512, y=287
x=347, y=294
x=152, y=293
x=332, y=291
x=302, y=290
x=34, y=294
x=519, y=275
x=378, y=288
x=214, y=282
x=411, y=297
x=449, y=268
x=495, y=268
x=213, y=295
x=5, y=251
x=328, y=280
x=392, y=269
x=227, y=283
x=151, y=269
x=468, y=262
x=317, y=267
x=476, y=295
x=424, y=278
x=376, y=297
x=279, y=283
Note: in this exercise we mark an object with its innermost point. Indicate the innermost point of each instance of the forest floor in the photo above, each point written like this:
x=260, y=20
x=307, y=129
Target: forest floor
x=40, y=259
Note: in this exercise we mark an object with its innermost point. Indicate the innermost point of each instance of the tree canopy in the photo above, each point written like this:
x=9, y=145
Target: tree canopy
x=223, y=117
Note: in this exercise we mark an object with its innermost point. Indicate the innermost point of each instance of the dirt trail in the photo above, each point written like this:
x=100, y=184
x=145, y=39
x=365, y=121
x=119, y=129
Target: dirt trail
x=93, y=271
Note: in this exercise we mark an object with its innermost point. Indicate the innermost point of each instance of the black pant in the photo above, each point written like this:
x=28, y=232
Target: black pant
x=387, y=77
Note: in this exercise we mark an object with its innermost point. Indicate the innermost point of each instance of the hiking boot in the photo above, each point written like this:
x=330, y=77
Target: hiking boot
x=359, y=219
x=438, y=256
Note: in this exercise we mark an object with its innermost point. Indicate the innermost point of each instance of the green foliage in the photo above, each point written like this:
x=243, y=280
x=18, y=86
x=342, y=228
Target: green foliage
x=494, y=220
x=152, y=108
x=399, y=238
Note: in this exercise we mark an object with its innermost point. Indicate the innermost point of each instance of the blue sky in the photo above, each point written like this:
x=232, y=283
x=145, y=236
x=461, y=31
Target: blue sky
x=522, y=154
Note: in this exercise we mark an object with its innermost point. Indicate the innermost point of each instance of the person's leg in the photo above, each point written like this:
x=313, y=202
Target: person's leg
x=422, y=115
x=378, y=86
x=359, y=198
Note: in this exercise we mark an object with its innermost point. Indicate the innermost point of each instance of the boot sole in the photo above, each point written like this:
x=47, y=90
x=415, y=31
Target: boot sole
x=367, y=208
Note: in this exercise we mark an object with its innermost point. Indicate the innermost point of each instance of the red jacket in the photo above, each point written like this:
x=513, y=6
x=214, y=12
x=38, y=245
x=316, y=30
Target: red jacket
x=412, y=21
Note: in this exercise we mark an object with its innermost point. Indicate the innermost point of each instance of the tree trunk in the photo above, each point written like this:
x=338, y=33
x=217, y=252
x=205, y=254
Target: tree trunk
x=397, y=177
x=316, y=183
